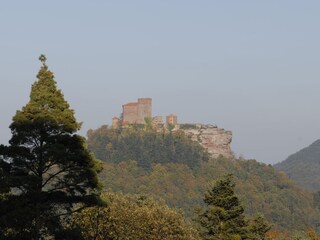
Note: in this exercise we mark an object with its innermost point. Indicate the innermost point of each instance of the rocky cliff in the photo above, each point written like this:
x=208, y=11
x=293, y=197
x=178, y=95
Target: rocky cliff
x=216, y=140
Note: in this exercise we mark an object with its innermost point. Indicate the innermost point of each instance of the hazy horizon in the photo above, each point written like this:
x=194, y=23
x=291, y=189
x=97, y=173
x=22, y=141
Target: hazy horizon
x=249, y=67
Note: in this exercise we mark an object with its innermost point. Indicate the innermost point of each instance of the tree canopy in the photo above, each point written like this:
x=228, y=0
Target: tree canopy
x=261, y=189
x=134, y=217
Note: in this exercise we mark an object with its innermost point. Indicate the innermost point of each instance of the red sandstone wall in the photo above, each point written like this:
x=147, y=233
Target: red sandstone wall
x=130, y=113
x=137, y=112
x=144, y=109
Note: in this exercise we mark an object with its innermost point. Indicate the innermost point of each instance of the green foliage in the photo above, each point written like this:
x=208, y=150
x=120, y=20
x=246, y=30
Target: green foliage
x=145, y=146
x=132, y=217
x=261, y=189
x=148, y=123
x=175, y=183
x=170, y=127
x=303, y=167
x=51, y=171
x=47, y=104
x=257, y=228
x=188, y=126
x=223, y=218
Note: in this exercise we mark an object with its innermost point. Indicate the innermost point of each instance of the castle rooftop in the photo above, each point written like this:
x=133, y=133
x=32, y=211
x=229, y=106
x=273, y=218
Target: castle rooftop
x=131, y=104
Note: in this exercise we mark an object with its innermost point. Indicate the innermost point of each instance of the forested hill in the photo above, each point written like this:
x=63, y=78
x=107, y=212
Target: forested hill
x=183, y=182
x=145, y=145
x=303, y=167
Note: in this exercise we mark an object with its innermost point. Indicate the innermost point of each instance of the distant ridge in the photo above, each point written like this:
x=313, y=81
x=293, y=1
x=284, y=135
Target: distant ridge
x=303, y=167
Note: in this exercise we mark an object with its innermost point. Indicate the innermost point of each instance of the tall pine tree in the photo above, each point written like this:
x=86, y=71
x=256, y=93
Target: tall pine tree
x=48, y=171
x=224, y=217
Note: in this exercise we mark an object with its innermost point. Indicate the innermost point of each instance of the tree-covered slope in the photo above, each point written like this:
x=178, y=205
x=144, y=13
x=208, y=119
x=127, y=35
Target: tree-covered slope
x=261, y=188
x=303, y=167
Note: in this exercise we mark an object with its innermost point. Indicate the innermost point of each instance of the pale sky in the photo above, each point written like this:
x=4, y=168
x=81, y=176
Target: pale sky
x=251, y=67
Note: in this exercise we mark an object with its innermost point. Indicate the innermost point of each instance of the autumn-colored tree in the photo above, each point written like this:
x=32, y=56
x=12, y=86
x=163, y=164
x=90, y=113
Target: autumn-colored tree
x=312, y=234
x=277, y=234
x=132, y=217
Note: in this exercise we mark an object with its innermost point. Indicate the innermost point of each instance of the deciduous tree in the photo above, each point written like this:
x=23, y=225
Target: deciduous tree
x=133, y=217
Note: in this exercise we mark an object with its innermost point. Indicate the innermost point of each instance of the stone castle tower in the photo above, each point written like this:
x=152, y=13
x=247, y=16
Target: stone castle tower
x=136, y=112
x=144, y=109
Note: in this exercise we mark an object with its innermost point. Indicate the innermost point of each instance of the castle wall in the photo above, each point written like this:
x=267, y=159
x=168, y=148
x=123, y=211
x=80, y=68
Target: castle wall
x=115, y=122
x=144, y=109
x=130, y=113
x=136, y=112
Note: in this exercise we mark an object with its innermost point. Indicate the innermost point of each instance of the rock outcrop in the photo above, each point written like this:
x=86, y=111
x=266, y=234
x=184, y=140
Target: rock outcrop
x=216, y=140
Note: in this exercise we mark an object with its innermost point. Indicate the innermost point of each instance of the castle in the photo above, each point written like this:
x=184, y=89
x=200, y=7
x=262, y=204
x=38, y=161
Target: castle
x=216, y=140
x=138, y=112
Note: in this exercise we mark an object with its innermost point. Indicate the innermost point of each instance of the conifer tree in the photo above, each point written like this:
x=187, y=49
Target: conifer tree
x=224, y=217
x=47, y=167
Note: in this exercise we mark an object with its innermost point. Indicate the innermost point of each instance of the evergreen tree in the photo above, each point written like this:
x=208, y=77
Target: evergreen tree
x=47, y=167
x=224, y=217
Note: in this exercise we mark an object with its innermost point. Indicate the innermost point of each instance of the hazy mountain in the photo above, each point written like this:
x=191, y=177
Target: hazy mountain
x=303, y=167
